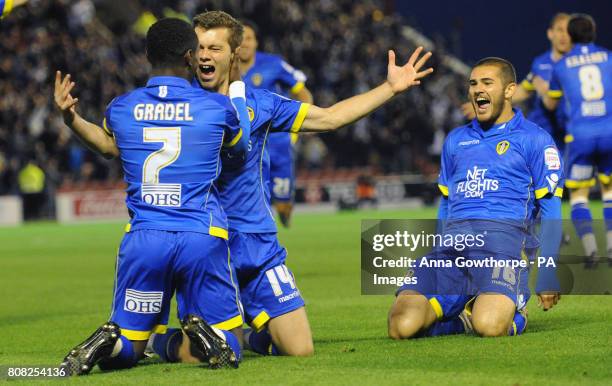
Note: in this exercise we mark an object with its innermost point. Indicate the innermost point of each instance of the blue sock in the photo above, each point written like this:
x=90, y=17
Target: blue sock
x=607, y=215
x=124, y=360
x=581, y=217
x=449, y=327
x=261, y=343
x=232, y=341
x=166, y=345
x=519, y=324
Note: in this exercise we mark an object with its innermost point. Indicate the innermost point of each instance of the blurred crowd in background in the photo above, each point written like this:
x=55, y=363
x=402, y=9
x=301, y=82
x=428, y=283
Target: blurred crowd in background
x=341, y=45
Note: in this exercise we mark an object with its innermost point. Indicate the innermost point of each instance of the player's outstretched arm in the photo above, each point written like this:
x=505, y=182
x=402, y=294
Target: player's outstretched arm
x=399, y=79
x=91, y=134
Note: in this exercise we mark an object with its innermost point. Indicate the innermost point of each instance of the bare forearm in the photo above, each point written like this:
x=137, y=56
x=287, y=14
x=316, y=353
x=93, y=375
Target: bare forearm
x=94, y=137
x=348, y=110
x=549, y=103
x=521, y=95
x=304, y=95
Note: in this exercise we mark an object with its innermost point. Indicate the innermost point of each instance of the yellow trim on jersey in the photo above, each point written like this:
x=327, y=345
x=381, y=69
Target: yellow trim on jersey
x=229, y=324
x=555, y=94
x=568, y=138
x=8, y=7
x=299, y=86
x=604, y=179
x=435, y=304
x=573, y=184
x=559, y=192
x=144, y=335
x=443, y=189
x=128, y=227
x=218, y=232
x=527, y=85
x=299, y=118
x=235, y=140
x=260, y=321
x=539, y=193
x=294, y=138
x=106, y=129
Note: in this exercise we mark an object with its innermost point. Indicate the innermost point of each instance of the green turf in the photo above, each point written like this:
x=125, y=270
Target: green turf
x=56, y=284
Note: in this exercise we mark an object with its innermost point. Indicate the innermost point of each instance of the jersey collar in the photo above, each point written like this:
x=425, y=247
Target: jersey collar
x=168, y=81
x=499, y=128
x=578, y=48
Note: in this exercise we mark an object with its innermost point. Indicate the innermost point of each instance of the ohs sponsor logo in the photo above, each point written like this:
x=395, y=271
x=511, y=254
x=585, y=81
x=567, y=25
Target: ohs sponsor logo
x=476, y=183
x=143, y=302
x=161, y=194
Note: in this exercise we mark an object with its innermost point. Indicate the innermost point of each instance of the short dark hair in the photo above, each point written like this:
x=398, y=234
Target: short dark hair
x=506, y=68
x=581, y=28
x=168, y=40
x=558, y=16
x=251, y=24
x=219, y=19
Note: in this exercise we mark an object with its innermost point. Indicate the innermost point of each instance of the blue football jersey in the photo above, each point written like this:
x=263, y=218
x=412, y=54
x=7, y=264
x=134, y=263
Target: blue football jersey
x=552, y=122
x=498, y=173
x=272, y=73
x=243, y=183
x=170, y=136
x=584, y=78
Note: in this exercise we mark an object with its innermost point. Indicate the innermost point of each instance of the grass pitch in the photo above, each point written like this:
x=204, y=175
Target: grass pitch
x=56, y=285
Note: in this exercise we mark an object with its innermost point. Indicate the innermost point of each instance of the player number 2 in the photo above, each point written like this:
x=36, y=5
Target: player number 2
x=156, y=161
x=590, y=82
x=279, y=273
x=508, y=274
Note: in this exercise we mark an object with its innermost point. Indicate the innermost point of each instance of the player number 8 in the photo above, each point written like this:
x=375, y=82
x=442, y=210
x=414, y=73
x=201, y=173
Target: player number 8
x=590, y=82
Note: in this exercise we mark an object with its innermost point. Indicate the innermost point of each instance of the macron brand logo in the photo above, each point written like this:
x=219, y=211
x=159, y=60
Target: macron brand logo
x=476, y=183
x=161, y=194
x=143, y=302
x=468, y=143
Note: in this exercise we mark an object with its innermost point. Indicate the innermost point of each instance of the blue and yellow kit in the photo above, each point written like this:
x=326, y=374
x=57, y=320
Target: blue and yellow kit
x=170, y=137
x=551, y=121
x=583, y=77
x=271, y=72
x=491, y=180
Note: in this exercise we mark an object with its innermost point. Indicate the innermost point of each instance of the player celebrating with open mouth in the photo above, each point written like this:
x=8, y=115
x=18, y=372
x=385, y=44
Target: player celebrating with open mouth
x=496, y=173
x=272, y=303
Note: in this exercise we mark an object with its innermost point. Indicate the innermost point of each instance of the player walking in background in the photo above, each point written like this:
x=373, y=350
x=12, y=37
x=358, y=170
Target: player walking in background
x=495, y=171
x=552, y=122
x=168, y=136
x=271, y=72
x=584, y=79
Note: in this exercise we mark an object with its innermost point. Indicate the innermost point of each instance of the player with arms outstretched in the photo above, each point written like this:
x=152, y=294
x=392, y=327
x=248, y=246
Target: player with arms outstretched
x=495, y=171
x=271, y=72
x=583, y=78
x=168, y=136
x=280, y=327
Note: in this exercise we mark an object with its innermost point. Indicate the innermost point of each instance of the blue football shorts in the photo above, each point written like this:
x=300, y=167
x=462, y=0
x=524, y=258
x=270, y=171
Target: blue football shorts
x=267, y=286
x=282, y=177
x=587, y=156
x=152, y=265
